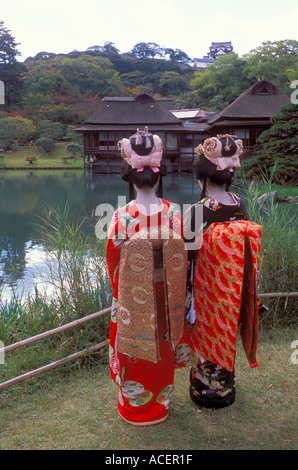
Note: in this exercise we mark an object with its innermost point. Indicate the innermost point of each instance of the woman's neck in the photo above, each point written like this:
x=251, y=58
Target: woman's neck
x=219, y=193
x=147, y=200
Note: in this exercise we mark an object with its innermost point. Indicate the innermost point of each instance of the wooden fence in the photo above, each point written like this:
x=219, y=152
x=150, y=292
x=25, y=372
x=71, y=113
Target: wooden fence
x=60, y=362
x=74, y=356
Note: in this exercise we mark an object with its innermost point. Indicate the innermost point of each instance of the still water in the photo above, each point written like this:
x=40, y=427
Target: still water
x=23, y=195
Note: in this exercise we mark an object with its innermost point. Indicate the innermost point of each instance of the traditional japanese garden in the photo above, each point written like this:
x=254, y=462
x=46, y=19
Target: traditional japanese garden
x=52, y=265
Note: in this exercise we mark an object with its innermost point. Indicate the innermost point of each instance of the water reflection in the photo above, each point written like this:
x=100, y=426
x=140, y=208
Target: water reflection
x=24, y=194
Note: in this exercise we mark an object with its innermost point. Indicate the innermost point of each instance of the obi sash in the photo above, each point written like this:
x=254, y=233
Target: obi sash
x=137, y=331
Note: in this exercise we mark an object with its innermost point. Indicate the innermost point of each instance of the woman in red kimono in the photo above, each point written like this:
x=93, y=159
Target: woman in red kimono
x=221, y=292
x=147, y=265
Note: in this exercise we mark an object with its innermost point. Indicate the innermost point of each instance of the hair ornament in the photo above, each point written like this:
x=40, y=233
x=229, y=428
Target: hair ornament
x=142, y=149
x=223, y=151
x=209, y=146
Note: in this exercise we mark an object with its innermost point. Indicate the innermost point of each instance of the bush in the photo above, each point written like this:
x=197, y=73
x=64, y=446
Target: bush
x=51, y=130
x=31, y=160
x=276, y=153
x=74, y=148
x=47, y=145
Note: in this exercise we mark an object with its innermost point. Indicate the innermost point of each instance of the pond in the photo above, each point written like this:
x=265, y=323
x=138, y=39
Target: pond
x=23, y=195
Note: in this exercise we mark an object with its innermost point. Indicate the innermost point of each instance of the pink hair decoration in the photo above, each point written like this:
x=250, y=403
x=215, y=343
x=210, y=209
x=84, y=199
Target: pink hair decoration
x=150, y=145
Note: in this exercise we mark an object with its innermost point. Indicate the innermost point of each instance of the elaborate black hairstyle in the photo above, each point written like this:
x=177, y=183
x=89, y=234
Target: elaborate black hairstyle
x=142, y=161
x=217, y=158
x=144, y=178
x=204, y=169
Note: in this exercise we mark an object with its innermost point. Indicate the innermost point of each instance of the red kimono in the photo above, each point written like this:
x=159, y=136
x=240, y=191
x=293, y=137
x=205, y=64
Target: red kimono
x=223, y=288
x=149, y=335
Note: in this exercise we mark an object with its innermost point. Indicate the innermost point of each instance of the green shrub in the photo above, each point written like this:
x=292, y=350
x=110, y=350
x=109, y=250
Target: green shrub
x=47, y=145
x=276, y=153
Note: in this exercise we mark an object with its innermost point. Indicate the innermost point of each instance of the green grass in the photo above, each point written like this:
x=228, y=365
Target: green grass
x=79, y=411
x=281, y=190
x=279, y=239
x=54, y=159
x=74, y=407
x=80, y=287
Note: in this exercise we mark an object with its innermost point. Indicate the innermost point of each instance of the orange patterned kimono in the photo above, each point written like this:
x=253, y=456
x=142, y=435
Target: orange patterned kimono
x=149, y=334
x=225, y=291
x=222, y=297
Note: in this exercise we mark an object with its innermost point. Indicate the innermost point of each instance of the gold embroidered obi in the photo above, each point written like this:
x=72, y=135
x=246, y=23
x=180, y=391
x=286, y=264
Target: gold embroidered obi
x=142, y=259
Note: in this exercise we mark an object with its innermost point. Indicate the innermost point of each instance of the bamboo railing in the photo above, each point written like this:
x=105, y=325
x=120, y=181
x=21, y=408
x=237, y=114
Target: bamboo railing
x=60, y=362
x=74, y=356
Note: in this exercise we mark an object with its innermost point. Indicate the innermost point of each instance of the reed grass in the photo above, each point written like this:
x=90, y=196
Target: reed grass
x=279, y=239
x=76, y=274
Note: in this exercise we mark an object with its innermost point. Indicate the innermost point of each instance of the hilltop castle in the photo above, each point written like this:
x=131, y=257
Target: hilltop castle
x=216, y=49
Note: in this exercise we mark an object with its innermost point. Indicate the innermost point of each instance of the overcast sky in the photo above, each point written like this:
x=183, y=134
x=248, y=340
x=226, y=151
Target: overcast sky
x=62, y=26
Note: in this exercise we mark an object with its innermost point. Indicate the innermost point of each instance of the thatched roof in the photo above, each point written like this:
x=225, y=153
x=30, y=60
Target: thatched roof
x=143, y=110
x=261, y=101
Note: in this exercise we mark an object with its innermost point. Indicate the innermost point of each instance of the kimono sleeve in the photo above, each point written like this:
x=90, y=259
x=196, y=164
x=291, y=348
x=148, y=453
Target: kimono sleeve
x=193, y=233
x=113, y=250
x=175, y=220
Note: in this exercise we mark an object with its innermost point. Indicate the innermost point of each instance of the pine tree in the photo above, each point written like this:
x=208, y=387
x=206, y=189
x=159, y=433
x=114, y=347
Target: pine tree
x=10, y=69
x=8, y=46
x=277, y=153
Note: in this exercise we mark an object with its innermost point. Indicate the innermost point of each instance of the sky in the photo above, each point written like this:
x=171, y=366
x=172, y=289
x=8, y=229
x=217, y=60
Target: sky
x=61, y=26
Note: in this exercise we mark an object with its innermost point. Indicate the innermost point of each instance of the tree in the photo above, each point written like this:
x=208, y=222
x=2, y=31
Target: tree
x=48, y=95
x=47, y=145
x=144, y=50
x=94, y=74
x=70, y=134
x=277, y=153
x=25, y=129
x=51, y=130
x=8, y=46
x=43, y=55
x=188, y=100
x=177, y=55
x=15, y=131
x=10, y=69
x=8, y=133
x=108, y=47
x=222, y=82
x=74, y=148
x=171, y=83
x=33, y=102
x=275, y=61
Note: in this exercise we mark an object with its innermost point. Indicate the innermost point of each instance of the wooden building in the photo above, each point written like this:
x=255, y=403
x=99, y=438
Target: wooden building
x=117, y=118
x=181, y=130
x=249, y=115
